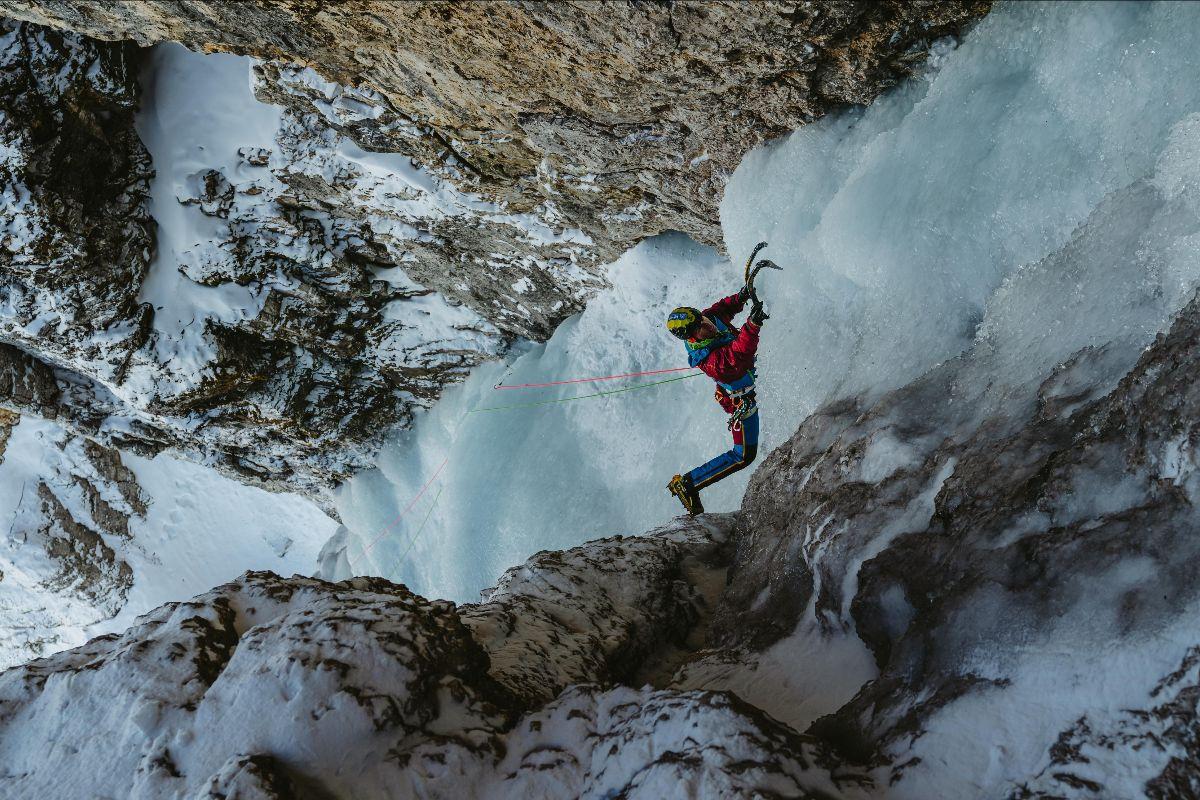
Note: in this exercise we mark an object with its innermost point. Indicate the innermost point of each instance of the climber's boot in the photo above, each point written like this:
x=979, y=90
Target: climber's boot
x=681, y=487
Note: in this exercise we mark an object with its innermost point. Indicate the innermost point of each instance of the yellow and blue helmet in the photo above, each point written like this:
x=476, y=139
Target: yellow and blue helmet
x=682, y=321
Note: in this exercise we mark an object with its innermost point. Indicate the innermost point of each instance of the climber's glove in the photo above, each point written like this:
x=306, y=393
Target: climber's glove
x=744, y=294
x=758, y=314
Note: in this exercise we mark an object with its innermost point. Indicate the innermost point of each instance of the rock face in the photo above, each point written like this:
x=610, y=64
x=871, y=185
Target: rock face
x=294, y=687
x=460, y=176
x=65, y=542
x=601, y=613
x=627, y=116
x=967, y=548
x=74, y=177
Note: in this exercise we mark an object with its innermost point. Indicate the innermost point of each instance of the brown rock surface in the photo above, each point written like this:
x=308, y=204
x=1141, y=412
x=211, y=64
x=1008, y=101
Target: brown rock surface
x=631, y=116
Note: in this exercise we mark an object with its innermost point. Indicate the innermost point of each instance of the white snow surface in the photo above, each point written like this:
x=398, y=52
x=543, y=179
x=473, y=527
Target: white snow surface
x=200, y=529
x=1031, y=194
x=198, y=110
x=203, y=529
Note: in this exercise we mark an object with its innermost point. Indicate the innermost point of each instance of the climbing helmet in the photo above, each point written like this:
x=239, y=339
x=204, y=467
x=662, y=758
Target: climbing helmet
x=682, y=321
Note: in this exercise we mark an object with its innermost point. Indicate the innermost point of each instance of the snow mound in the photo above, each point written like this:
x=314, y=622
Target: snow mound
x=268, y=685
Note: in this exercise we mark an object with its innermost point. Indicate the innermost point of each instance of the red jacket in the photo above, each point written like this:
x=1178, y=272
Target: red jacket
x=727, y=364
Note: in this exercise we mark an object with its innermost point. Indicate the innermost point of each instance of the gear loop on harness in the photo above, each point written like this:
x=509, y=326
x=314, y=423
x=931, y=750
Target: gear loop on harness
x=745, y=406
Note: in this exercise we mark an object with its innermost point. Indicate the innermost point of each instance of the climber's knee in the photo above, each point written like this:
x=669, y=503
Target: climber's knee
x=749, y=453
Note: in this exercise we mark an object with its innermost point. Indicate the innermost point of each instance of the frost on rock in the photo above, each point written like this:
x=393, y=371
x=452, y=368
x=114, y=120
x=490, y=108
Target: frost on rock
x=598, y=612
x=1000, y=560
x=75, y=238
x=247, y=777
x=362, y=689
x=348, y=155
x=62, y=561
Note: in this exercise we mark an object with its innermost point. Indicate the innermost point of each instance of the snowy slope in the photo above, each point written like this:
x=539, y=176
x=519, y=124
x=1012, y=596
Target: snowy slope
x=74, y=567
x=274, y=688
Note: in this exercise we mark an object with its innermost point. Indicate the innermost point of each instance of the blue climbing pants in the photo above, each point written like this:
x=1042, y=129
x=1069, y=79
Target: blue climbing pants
x=745, y=448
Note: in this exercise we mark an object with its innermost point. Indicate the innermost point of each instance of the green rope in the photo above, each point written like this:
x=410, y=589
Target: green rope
x=433, y=505
x=417, y=535
x=585, y=396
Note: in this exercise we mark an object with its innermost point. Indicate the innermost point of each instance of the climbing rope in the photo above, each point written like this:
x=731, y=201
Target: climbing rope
x=389, y=527
x=584, y=396
x=420, y=529
x=386, y=529
x=589, y=380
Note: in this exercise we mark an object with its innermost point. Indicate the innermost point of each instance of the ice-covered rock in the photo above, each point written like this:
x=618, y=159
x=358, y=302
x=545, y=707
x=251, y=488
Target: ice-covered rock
x=646, y=744
x=94, y=537
x=991, y=562
x=361, y=688
x=1148, y=747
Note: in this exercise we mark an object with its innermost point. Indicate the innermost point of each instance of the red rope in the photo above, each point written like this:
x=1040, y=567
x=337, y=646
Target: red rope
x=589, y=380
x=388, y=527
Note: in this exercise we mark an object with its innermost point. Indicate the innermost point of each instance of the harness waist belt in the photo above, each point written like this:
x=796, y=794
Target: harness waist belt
x=745, y=390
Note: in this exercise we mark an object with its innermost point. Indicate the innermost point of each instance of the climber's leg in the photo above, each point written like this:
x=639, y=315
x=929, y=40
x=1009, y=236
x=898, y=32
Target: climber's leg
x=744, y=451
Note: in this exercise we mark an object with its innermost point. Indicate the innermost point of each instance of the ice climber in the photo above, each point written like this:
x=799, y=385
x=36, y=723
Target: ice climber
x=726, y=355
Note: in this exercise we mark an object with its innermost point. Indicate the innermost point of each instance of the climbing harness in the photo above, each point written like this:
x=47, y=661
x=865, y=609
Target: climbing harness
x=744, y=408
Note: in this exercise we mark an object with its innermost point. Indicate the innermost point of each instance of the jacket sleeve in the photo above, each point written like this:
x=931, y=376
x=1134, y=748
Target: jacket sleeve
x=726, y=308
x=730, y=363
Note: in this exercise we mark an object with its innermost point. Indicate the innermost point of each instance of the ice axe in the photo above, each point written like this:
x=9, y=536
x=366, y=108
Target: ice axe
x=753, y=269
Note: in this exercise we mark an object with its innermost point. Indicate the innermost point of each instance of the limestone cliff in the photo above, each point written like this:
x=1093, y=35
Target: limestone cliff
x=627, y=116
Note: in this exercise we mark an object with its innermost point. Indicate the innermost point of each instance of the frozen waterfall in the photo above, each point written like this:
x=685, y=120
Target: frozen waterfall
x=1033, y=192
